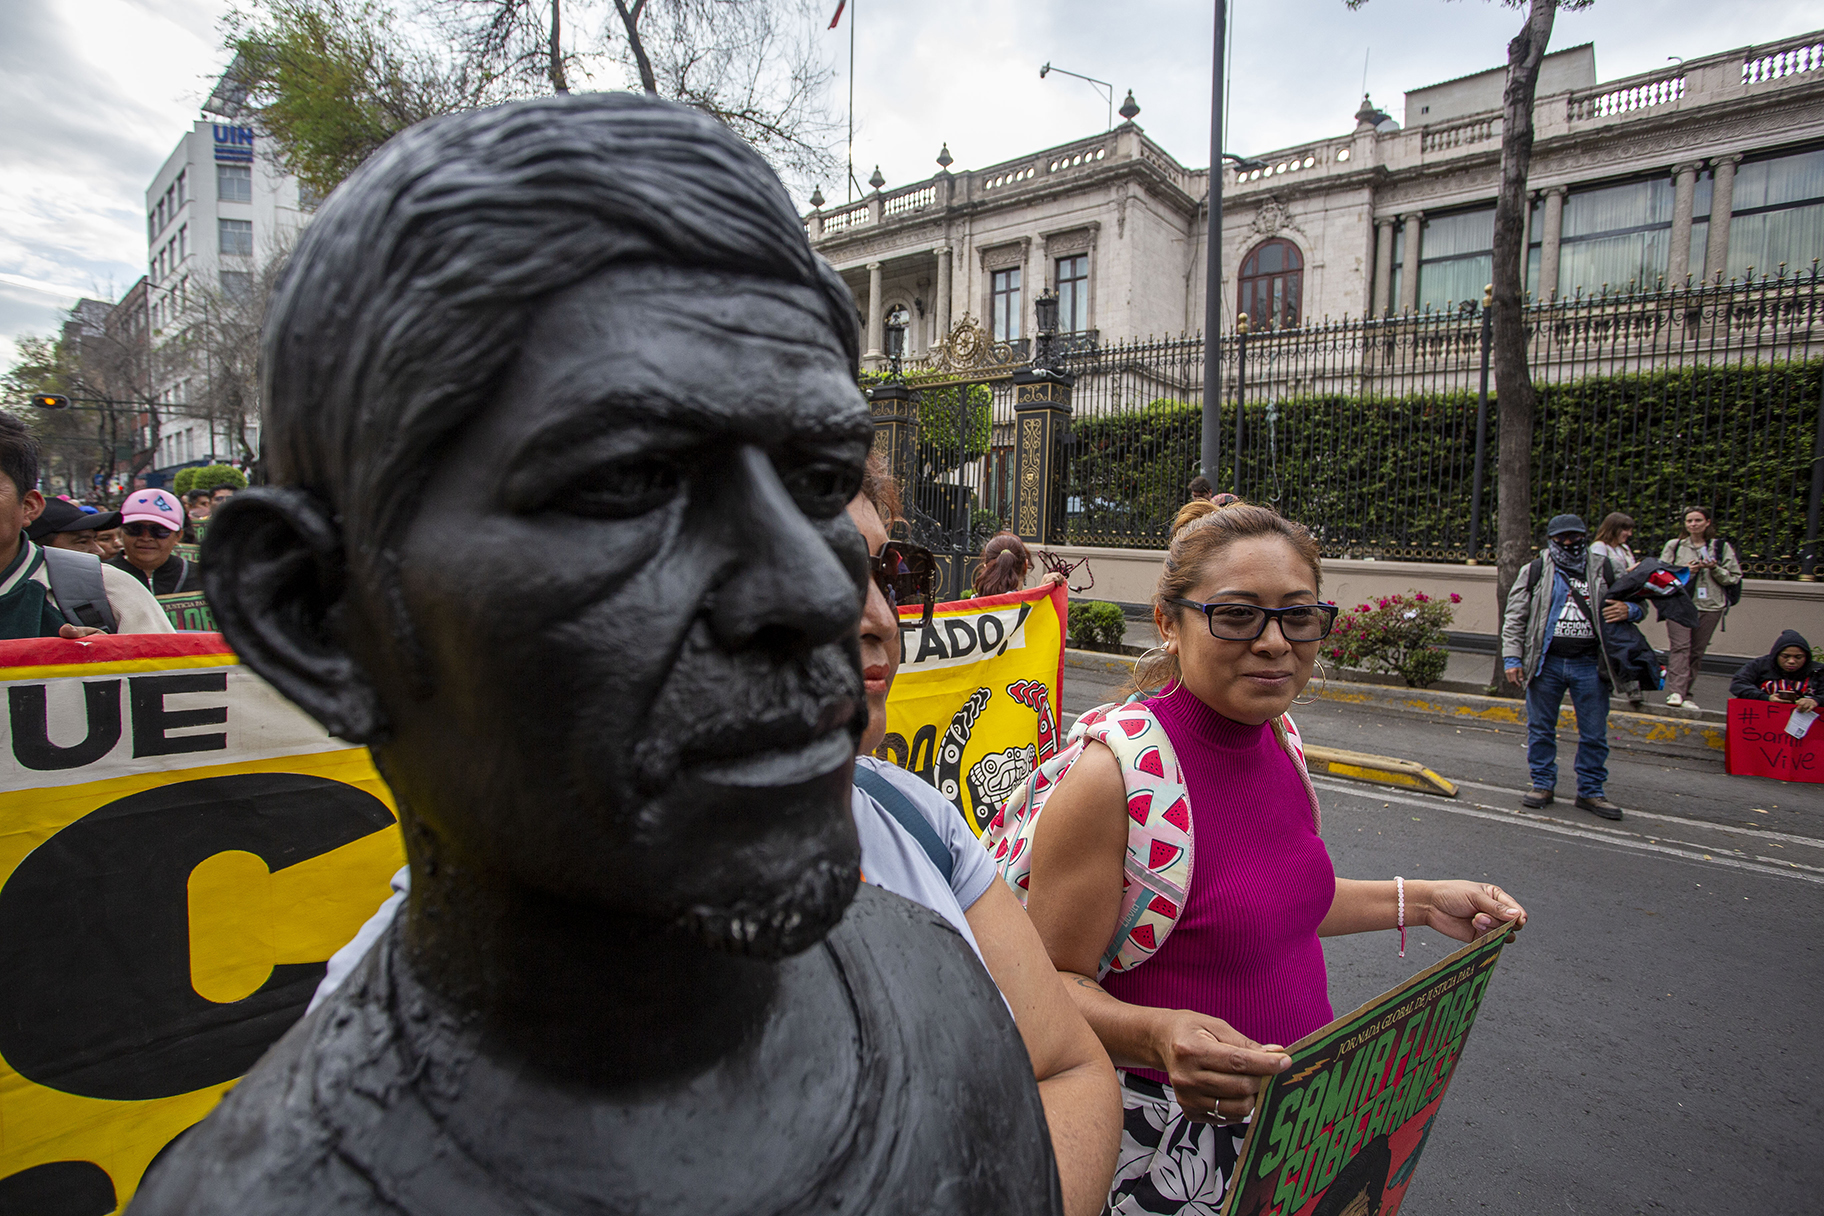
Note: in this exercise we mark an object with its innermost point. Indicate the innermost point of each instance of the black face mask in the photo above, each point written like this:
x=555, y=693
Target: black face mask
x=1570, y=554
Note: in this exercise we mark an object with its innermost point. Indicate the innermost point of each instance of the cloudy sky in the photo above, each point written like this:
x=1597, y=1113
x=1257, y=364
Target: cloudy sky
x=96, y=93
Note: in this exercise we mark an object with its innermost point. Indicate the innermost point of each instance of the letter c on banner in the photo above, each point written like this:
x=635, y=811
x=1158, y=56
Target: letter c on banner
x=95, y=935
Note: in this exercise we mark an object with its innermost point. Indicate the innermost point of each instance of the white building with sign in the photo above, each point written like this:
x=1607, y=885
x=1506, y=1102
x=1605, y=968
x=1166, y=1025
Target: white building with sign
x=217, y=214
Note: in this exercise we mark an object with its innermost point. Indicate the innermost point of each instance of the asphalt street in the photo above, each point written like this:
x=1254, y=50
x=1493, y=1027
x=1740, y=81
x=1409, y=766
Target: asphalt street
x=1645, y=1046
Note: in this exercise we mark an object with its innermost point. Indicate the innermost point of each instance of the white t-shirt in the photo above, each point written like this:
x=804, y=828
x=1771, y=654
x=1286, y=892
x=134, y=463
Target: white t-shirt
x=891, y=858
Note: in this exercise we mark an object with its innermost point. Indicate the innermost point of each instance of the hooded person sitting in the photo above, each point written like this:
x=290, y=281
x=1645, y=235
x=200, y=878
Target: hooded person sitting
x=1787, y=674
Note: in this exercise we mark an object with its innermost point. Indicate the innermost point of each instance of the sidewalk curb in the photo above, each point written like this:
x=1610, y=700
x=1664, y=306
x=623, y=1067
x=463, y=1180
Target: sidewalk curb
x=1700, y=737
x=1381, y=770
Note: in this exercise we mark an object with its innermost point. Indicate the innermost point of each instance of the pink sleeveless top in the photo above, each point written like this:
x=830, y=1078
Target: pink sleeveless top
x=1245, y=948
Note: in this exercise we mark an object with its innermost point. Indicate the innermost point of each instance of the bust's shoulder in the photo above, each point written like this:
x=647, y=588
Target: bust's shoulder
x=889, y=1080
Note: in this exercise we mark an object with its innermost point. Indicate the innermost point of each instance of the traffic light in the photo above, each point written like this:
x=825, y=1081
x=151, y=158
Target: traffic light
x=51, y=401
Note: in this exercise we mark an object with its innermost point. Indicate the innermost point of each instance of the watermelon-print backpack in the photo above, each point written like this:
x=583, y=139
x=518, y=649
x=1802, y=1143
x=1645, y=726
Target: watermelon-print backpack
x=1160, y=849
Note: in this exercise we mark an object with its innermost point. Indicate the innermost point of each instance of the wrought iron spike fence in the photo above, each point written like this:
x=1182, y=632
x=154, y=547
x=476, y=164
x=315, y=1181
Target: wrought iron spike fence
x=1366, y=430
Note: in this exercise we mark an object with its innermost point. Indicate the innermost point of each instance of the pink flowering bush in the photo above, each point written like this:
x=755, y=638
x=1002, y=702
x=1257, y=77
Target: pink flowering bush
x=1398, y=634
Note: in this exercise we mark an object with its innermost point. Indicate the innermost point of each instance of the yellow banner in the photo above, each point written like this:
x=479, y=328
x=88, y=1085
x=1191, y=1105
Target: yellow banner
x=181, y=849
x=975, y=705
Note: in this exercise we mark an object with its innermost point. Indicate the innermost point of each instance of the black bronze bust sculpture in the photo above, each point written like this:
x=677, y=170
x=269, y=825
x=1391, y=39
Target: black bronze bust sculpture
x=562, y=417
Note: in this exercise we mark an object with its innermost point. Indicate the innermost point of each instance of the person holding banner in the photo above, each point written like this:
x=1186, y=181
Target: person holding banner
x=57, y=592
x=908, y=831
x=1195, y=1026
x=153, y=523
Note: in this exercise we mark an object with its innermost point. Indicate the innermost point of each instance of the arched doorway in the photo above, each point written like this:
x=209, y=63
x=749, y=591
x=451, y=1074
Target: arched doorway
x=1272, y=285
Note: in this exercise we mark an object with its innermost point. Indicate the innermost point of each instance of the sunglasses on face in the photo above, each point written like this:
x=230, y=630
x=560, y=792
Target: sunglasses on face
x=155, y=531
x=906, y=574
x=1245, y=622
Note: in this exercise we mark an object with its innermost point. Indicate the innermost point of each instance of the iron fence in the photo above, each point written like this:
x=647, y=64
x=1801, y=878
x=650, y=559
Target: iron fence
x=1365, y=430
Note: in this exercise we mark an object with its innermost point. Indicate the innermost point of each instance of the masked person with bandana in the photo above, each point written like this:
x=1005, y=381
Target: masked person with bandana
x=1551, y=645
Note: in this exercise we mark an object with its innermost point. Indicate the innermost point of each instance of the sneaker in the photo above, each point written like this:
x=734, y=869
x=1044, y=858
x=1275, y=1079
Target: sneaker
x=1674, y=699
x=1693, y=705
x=1599, y=806
x=1536, y=798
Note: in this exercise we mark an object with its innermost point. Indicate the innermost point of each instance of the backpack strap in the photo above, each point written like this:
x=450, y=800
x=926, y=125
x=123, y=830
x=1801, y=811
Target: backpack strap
x=1286, y=731
x=900, y=807
x=1160, y=853
x=77, y=585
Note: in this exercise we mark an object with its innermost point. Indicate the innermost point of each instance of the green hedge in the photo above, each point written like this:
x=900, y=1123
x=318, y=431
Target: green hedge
x=1391, y=476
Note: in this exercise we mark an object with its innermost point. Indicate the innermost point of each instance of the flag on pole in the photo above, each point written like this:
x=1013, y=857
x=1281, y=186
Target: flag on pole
x=840, y=5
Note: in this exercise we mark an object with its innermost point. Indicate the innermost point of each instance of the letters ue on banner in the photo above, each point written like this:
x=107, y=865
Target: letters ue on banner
x=975, y=705
x=181, y=849
x=1757, y=743
x=1341, y=1130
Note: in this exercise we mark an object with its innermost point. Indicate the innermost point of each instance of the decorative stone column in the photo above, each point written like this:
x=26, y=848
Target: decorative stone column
x=1684, y=191
x=1409, y=266
x=1549, y=241
x=1041, y=412
x=1383, y=267
x=945, y=257
x=876, y=320
x=895, y=429
x=1722, y=207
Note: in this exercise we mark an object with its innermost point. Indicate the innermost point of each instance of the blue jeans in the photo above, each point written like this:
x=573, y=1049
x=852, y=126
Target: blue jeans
x=1582, y=678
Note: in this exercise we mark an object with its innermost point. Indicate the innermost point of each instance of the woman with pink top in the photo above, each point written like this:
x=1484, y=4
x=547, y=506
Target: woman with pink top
x=1199, y=1024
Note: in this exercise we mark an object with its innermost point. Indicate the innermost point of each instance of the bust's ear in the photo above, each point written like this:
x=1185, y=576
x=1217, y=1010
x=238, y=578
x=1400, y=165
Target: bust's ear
x=276, y=573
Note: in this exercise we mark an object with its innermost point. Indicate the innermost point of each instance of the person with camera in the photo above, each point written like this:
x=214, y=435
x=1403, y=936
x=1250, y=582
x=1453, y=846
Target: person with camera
x=1715, y=585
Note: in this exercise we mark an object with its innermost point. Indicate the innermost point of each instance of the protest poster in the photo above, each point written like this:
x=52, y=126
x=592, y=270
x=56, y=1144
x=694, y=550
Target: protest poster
x=181, y=849
x=1757, y=743
x=975, y=705
x=1341, y=1130
x=188, y=611
x=189, y=552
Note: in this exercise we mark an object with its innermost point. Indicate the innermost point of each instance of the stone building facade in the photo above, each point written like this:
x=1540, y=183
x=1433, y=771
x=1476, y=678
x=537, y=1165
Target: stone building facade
x=1711, y=167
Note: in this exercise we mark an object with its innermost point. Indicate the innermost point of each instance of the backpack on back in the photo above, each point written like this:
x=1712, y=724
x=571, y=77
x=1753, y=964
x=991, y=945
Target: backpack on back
x=1156, y=877
x=76, y=585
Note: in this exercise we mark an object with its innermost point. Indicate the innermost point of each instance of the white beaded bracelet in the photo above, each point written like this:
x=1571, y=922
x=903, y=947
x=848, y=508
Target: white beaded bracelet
x=1399, y=886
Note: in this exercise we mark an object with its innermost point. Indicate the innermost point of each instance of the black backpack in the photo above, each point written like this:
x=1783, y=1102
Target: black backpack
x=1732, y=592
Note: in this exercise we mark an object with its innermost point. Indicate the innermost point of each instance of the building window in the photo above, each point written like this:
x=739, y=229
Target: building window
x=236, y=284
x=1004, y=315
x=1456, y=257
x=1272, y=282
x=1615, y=236
x=234, y=183
x=182, y=187
x=236, y=237
x=183, y=242
x=1073, y=293
x=1777, y=214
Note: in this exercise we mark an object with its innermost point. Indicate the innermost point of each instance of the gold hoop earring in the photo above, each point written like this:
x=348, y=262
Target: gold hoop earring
x=1323, y=676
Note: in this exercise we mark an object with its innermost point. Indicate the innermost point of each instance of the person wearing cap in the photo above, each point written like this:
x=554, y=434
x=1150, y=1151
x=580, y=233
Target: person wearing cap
x=151, y=521
x=64, y=525
x=1551, y=644
x=28, y=600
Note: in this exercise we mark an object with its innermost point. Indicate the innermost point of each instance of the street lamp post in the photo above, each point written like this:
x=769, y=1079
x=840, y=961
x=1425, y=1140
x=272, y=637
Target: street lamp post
x=1212, y=287
x=1101, y=86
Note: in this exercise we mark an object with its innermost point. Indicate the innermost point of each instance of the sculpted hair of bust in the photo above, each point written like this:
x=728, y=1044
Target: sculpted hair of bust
x=562, y=421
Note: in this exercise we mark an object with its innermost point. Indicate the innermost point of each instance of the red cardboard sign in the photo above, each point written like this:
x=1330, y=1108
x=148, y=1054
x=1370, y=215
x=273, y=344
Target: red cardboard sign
x=1757, y=744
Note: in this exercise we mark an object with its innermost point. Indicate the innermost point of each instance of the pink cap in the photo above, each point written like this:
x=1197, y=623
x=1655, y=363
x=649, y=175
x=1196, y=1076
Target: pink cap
x=154, y=505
